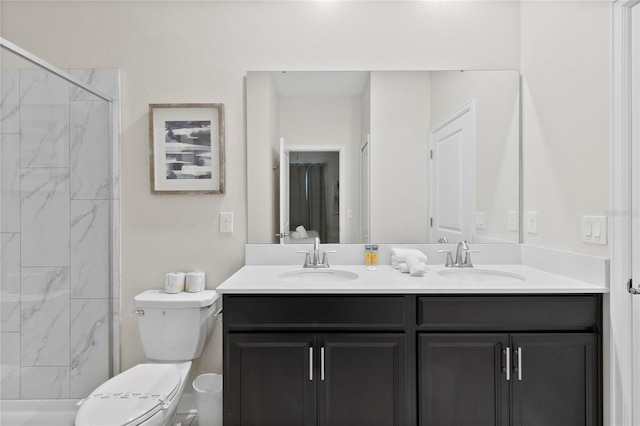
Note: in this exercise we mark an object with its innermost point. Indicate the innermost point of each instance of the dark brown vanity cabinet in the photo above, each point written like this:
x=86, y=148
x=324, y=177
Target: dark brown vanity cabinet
x=522, y=379
x=405, y=360
x=509, y=360
x=316, y=360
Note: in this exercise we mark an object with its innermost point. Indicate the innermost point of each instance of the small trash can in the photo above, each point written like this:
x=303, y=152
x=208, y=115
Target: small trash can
x=208, y=389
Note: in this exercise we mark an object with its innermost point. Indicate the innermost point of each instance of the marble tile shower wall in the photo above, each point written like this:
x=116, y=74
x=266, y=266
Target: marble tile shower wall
x=54, y=223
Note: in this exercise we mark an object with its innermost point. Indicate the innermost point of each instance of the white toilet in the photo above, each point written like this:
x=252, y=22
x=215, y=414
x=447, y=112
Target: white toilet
x=173, y=328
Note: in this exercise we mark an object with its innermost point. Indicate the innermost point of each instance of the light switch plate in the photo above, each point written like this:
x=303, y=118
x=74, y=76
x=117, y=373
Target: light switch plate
x=532, y=222
x=594, y=229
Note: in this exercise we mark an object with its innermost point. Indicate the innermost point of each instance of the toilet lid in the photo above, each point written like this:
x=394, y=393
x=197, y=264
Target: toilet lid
x=131, y=396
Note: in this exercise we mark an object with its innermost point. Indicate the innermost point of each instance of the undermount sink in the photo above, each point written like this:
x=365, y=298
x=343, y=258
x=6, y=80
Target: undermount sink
x=481, y=275
x=317, y=276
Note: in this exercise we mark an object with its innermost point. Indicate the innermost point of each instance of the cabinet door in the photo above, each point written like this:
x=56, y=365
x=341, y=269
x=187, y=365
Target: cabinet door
x=556, y=380
x=363, y=380
x=269, y=380
x=463, y=379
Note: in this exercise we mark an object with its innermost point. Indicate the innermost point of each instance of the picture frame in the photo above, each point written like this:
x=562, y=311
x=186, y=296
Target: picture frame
x=186, y=144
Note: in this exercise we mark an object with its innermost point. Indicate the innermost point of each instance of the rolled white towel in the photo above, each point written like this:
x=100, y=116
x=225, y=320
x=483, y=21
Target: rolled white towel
x=416, y=268
x=295, y=235
x=302, y=232
x=401, y=254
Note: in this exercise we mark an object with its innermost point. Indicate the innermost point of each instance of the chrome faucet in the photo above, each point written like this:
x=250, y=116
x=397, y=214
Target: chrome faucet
x=316, y=250
x=315, y=261
x=463, y=256
x=461, y=251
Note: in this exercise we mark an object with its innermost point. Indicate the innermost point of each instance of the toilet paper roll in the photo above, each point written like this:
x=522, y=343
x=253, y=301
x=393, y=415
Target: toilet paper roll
x=194, y=282
x=174, y=282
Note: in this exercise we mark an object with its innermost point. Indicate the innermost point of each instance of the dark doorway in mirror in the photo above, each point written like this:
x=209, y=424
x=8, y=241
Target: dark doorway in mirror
x=312, y=196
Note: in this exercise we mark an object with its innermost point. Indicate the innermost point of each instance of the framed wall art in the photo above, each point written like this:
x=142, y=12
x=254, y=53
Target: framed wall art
x=186, y=148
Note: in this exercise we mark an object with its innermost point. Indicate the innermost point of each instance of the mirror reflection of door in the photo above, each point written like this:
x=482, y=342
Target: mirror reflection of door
x=314, y=196
x=452, y=171
x=364, y=193
x=285, y=222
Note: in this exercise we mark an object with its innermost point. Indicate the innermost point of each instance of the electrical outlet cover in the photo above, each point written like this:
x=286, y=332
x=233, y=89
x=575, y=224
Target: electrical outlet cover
x=532, y=222
x=226, y=221
x=512, y=221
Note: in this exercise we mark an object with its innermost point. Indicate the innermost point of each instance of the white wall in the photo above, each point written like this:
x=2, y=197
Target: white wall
x=262, y=103
x=273, y=212
x=565, y=119
x=400, y=111
x=497, y=108
x=361, y=234
x=200, y=52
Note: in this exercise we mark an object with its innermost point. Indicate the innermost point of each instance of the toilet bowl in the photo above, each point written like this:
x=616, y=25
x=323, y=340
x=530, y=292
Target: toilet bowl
x=173, y=328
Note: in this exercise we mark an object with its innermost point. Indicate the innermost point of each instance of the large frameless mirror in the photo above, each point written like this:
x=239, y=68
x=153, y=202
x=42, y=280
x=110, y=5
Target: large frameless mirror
x=383, y=156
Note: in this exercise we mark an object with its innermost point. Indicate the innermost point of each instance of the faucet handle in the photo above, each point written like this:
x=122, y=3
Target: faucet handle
x=307, y=259
x=467, y=258
x=449, y=263
x=325, y=258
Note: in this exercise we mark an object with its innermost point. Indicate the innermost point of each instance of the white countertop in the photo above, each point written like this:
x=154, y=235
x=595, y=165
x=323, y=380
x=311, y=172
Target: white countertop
x=264, y=279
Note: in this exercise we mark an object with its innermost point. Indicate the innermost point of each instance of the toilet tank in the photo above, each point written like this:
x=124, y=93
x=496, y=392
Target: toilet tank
x=174, y=327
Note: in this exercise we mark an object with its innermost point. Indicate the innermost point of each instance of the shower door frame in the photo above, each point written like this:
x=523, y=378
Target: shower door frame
x=113, y=112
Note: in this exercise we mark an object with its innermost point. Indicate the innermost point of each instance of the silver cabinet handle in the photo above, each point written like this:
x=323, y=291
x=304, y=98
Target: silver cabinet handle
x=322, y=363
x=311, y=363
x=519, y=350
x=508, y=362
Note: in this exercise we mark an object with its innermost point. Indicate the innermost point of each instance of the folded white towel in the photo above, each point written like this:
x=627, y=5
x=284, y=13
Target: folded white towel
x=404, y=267
x=401, y=254
x=416, y=268
x=395, y=262
x=302, y=232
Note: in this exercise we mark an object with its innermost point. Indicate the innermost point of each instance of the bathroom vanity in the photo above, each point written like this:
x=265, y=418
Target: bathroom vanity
x=388, y=349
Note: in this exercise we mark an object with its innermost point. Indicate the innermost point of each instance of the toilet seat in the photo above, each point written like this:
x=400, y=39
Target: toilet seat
x=131, y=397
